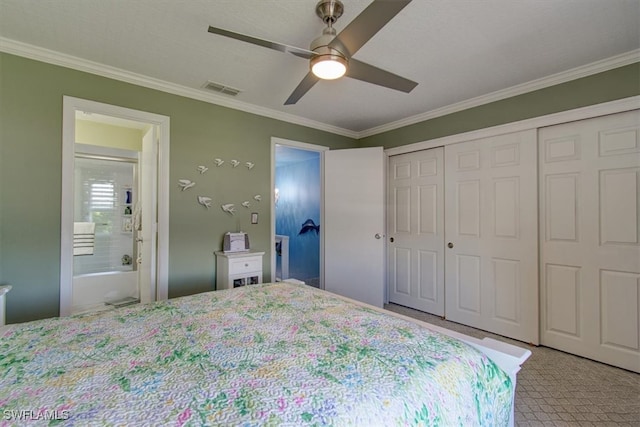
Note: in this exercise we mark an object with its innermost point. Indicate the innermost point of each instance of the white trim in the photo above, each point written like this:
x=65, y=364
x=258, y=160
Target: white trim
x=70, y=105
x=76, y=63
x=162, y=250
x=626, y=104
x=66, y=215
x=544, y=82
x=57, y=58
x=304, y=146
x=297, y=144
x=3, y=291
x=385, y=194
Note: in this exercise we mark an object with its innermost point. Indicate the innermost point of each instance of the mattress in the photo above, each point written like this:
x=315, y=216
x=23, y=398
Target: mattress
x=271, y=354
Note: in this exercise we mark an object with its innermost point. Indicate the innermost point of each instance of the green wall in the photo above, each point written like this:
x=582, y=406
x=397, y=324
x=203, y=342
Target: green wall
x=30, y=166
x=30, y=177
x=615, y=84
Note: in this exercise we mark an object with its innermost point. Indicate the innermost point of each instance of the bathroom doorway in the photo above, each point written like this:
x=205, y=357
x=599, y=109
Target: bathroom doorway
x=297, y=212
x=107, y=238
x=114, y=213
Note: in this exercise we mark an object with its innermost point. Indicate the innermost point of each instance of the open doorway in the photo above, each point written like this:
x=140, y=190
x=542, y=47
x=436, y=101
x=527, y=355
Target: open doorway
x=114, y=214
x=108, y=237
x=297, y=212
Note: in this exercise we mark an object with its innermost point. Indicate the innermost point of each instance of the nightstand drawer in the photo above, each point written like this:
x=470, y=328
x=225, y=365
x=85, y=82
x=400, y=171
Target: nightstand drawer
x=245, y=265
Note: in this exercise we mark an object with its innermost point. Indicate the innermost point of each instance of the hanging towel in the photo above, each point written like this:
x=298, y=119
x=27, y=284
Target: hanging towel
x=84, y=237
x=137, y=218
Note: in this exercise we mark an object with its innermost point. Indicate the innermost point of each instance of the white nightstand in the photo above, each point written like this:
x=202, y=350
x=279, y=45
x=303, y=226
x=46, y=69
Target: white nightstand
x=238, y=269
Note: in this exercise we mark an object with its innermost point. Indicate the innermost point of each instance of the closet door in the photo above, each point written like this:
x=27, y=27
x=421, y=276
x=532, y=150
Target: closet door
x=415, y=227
x=491, y=235
x=590, y=238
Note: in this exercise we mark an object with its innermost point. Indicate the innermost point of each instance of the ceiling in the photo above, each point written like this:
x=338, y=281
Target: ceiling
x=457, y=50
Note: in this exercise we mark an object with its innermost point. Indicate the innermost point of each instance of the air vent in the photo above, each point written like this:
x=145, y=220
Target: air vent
x=217, y=87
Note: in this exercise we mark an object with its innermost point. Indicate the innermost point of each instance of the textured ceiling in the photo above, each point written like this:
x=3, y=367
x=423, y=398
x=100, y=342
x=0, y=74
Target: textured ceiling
x=455, y=49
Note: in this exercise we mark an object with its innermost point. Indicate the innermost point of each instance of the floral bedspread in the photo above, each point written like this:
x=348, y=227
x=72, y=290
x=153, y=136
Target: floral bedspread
x=273, y=354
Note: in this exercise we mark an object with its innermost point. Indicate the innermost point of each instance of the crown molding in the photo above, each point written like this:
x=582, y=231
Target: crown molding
x=544, y=82
x=582, y=113
x=57, y=58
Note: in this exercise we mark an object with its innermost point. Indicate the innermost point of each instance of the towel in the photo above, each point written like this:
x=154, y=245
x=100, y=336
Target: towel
x=84, y=237
x=137, y=218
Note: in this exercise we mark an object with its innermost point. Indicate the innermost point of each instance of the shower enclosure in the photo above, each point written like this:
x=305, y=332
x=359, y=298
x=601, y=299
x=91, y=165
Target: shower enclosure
x=104, y=262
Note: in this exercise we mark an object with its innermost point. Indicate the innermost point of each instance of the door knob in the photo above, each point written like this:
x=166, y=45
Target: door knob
x=378, y=236
x=392, y=239
x=450, y=245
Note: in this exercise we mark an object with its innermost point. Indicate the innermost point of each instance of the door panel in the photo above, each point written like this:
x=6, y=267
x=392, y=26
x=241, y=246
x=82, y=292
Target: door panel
x=415, y=223
x=590, y=249
x=468, y=281
x=354, y=224
x=491, y=225
x=146, y=222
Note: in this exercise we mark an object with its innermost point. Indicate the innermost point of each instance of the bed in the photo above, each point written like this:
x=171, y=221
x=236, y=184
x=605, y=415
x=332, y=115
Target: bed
x=270, y=354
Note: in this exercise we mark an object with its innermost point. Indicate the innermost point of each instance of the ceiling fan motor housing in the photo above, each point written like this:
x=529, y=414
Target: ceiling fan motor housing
x=329, y=10
x=320, y=45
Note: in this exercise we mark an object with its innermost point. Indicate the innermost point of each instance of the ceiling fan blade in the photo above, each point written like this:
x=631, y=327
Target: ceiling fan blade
x=367, y=24
x=368, y=73
x=303, y=53
x=307, y=83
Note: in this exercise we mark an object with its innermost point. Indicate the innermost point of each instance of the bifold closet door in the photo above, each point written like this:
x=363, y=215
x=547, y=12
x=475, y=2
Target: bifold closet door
x=491, y=235
x=415, y=228
x=590, y=238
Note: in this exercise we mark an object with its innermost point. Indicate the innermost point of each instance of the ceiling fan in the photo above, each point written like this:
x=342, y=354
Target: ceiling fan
x=330, y=55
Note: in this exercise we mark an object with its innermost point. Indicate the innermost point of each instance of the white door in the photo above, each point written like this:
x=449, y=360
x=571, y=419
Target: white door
x=491, y=265
x=590, y=241
x=415, y=228
x=354, y=224
x=145, y=220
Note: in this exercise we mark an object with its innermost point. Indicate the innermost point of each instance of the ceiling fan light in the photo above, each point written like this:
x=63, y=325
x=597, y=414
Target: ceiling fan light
x=329, y=67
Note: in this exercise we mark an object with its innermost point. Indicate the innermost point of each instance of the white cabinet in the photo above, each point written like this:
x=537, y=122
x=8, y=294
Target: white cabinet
x=238, y=269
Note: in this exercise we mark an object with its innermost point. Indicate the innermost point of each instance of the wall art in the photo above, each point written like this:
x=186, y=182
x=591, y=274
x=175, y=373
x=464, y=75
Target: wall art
x=185, y=184
x=205, y=201
x=229, y=208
